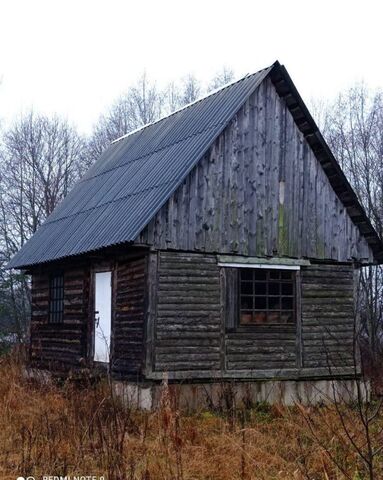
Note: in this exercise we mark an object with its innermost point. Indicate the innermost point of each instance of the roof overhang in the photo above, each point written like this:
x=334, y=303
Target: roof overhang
x=306, y=124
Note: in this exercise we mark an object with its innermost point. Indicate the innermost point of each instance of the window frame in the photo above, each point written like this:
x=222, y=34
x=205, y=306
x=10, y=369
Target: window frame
x=56, y=284
x=294, y=280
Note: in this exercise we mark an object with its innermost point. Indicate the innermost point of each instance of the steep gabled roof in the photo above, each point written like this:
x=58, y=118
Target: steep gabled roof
x=136, y=175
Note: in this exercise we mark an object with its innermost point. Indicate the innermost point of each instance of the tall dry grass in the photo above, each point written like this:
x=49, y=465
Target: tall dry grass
x=81, y=428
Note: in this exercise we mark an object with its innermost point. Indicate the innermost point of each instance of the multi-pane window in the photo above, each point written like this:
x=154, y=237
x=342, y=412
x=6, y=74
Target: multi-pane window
x=56, y=298
x=267, y=296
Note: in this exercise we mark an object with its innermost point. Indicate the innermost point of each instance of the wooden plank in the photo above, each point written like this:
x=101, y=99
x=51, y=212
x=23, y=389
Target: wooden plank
x=231, y=202
x=298, y=316
x=231, y=297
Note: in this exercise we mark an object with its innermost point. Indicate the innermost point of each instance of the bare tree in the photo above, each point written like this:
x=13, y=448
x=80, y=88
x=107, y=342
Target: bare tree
x=172, y=98
x=40, y=160
x=221, y=78
x=144, y=103
x=191, y=89
x=41, y=157
x=141, y=104
x=353, y=127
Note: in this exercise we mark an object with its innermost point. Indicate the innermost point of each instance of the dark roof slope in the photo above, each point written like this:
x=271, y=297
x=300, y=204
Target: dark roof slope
x=133, y=178
x=136, y=175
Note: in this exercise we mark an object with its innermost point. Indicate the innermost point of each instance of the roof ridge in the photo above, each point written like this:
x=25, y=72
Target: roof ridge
x=184, y=107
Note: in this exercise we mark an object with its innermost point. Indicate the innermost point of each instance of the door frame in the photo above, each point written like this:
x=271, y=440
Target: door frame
x=100, y=268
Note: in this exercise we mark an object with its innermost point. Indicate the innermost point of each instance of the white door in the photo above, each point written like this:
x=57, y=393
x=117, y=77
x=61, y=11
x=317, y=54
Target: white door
x=103, y=316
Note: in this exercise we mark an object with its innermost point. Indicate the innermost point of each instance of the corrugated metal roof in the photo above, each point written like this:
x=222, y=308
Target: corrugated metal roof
x=133, y=178
x=136, y=175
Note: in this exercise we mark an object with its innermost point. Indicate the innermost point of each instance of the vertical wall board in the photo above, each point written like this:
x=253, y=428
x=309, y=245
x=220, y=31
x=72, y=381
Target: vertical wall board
x=223, y=287
x=259, y=191
x=151, y=310
x=298, y=310
x=231, y=297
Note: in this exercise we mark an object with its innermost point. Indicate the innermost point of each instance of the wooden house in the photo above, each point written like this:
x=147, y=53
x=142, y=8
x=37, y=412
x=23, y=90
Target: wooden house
x=218, y=244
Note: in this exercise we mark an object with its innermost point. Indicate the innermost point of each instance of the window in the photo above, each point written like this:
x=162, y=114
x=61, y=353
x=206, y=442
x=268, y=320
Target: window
x=267, y=296
x=56, y=298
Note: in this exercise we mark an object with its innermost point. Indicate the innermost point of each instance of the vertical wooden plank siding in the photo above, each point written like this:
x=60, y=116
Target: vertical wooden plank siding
x=130, y=312
x=259, y=191
x=328, y=316
x=298, y=314
x=230, y=294
x=188, y=323
x=60, y=345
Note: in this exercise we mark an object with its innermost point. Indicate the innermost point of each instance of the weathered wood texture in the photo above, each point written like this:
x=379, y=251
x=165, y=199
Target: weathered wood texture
x=195, y=331
x=128, y=319
x=188, y=322
x=266, y=347
x=60, y=346
x=259, y=191
x=194, y=324
x=328, y=316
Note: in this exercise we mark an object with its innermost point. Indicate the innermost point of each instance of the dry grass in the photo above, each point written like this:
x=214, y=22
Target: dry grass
x=72, y=429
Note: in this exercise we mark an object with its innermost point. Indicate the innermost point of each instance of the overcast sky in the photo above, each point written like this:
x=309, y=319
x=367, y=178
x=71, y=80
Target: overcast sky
x=73, y=57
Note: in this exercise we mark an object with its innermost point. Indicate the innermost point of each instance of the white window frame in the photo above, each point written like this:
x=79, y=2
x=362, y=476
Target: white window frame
x=259, y=265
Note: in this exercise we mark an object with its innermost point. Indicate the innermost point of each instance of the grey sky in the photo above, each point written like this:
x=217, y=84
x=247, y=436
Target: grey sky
x=75, y=57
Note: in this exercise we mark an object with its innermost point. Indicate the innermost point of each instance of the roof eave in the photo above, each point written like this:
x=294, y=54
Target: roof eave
x=338, y=180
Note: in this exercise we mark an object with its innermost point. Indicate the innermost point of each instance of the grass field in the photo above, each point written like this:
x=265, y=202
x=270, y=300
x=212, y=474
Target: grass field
x=81, y=429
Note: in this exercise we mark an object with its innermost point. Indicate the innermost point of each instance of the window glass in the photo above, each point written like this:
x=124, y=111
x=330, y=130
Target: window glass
x=267, y=296
x=56, y=298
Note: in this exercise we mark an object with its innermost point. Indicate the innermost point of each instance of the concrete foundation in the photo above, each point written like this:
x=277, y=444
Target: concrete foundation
x=202, y=396
x=135, y=395
x=230, y=394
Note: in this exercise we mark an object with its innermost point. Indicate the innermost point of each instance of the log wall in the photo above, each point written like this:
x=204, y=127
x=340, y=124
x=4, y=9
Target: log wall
x=194, y=332
x=66, y=345
x=328, y=316
x=188, y=320
x=130, y=288
x=269, y=347
x=60, y=346
x=181, y=317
